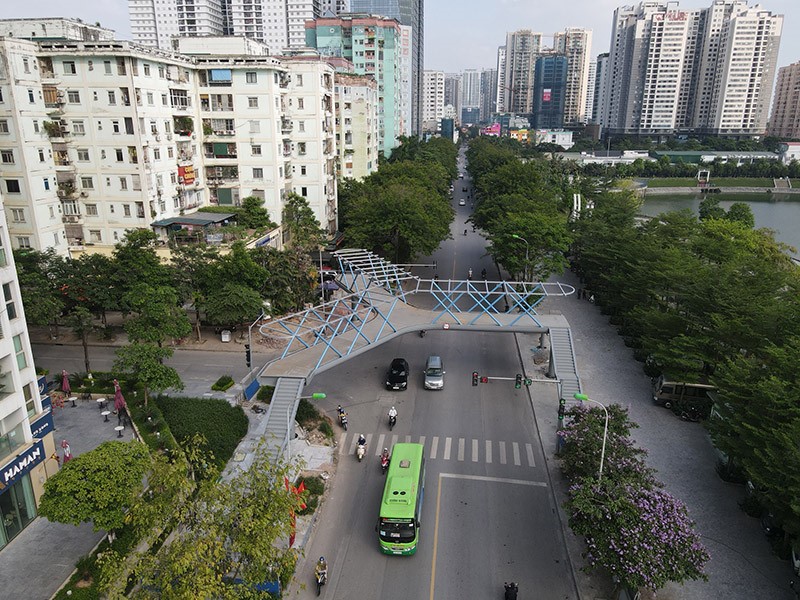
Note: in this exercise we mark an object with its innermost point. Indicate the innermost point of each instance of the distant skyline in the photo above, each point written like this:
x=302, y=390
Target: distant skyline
x=459, y=34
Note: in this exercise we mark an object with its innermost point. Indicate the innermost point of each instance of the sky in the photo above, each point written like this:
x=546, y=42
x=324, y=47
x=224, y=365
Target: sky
x=459, y=34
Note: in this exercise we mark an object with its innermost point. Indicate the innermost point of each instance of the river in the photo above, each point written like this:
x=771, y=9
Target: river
x=779, y=213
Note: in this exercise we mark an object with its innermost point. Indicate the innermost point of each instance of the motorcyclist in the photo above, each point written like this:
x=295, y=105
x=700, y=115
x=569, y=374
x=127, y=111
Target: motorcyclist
x=385, y=454
x=469, y=274
x=321, y=569
x=393, y=413
x=340, y=411
x=511, y=591
x=362, y=441
x=483, y=274
x=465, y=232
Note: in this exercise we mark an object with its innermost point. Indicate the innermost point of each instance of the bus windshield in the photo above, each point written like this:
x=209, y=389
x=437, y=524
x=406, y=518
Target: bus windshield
x=397, y=530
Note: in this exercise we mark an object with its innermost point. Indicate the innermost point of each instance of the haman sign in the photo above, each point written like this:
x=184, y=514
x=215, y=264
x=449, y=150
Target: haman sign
x=21, y=464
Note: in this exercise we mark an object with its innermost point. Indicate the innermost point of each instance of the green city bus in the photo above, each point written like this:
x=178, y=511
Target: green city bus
x=401, y=503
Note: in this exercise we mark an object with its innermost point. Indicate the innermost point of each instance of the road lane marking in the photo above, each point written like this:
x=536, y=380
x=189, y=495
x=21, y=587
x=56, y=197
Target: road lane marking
x=434, y=447
x=394, y=440
x=422, y=441
x=369, y=440
x=488, y=452
x=529, y=450
x=515, y=446
x=436, y=531
x=485, y=478
x=342, y=439
x=474, y=450
x=447, y=442
x=408, y=439
x=379, y=446
x=461, y=449
x=502, y=453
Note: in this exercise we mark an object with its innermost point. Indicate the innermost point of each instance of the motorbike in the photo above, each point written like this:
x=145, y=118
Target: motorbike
x=421, y=333
x=511, y=591
x=361, y=450
x=322, y=579
x=392, y=421
x=384, y=463
x=465, y=232
x=343, y=420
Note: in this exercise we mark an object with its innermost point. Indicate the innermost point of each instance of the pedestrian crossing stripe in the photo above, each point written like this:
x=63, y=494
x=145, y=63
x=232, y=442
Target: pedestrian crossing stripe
x=449, y=448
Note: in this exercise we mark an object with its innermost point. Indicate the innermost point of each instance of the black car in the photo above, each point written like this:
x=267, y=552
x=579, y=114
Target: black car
x=397, y=376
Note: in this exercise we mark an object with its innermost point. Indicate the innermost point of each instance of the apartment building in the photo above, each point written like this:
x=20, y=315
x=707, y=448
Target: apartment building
x=358, y=137
x=784, y=121
x=371, y=43
x=500, y=95
x=575, y=44
x=708, y=71
x=27, y=447
x=522, y=48
x=488, y=94
x=100, y=137
x=470, y=95
x=433, y=100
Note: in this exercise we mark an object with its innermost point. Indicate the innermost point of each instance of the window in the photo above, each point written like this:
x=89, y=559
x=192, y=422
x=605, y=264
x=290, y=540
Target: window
x=126, y=210
x=299, y=79
x=255, y=150
x=252, y=102
x=26, y=66
x=69, y=67
x=74, y=97
x=112, y=97
x=301, y=126
x=258, y=173
x=251, y=77
x=8, y=298
x=170, y=152
x=150, y=99
x=35, y=126
x=120, y=154
x=136, y=182
x=31, y=97
x=3, y=261
x=161, y=71
x=46, y=183
x=3, y=126
x=123, y=183
x=12, y=187
x=304, y=192
x=78, y=128
x=41, y=155
x=7, y=157
x=302, y=169
x=30, y=405
x=147, y=69
x=115, y=126
x=107, y=67
x=173, y=178
x=255, y=127
x=83, y=154
x=95, y=236
x=156, y=153
x=164, y=99
x=91, y=210
x=300, y=103
x=19, y=350
x=301, y=148
x=87, y=183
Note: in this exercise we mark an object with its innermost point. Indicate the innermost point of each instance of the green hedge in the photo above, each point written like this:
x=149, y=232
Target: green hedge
x=222, y=425
x=223, y=383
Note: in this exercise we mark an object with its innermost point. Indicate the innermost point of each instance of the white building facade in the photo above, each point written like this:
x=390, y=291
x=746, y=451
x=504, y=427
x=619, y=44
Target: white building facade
x=433, y=100
x=576, y=44
x=357, y=131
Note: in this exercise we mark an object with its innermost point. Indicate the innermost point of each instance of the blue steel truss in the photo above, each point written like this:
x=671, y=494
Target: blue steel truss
x=379, y=301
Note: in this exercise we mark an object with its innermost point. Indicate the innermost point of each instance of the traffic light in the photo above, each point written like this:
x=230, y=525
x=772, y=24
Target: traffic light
x=562, y=409
x=247, y=355
x=474, y=378
x=485, y=379
x=528, y=381
x=518, y=381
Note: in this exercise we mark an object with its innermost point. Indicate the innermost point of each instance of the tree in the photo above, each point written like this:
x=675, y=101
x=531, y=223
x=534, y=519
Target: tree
x=299, y=220
x=191, y=265
x=710, y=208
x=253, y=215
x=136, y=262
x=233, y=305
x=158, y=316
x=39, y=275
x=90, y=282
x=81, y=321
x=145, y=362
x=235, y=527
x=98, y=486
x=741, y=213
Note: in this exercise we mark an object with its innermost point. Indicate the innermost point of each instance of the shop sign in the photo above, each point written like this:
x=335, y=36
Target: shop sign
x=43, y=425
x=21, y=464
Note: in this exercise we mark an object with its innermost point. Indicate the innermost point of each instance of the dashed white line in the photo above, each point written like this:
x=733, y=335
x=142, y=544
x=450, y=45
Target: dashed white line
x=488, y=452
x=529, y=450
x=434, y=447
x=447, y=443
x=474, y=450
x=515, y=446
x=460, y=449
x=502, y=452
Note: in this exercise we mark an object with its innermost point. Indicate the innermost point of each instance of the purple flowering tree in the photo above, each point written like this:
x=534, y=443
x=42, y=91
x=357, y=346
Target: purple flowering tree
x=633, y=528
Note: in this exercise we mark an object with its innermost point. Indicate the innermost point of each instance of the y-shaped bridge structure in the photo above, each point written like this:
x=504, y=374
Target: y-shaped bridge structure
x=382, y=301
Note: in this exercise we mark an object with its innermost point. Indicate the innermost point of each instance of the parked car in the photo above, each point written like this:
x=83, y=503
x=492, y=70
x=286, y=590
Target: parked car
x=462, y=202
x=397, y=376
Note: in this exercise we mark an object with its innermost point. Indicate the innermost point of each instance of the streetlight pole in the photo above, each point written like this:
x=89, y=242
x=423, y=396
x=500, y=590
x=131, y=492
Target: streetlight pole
x=585, y=398
x=267, y=305
x=527, y=251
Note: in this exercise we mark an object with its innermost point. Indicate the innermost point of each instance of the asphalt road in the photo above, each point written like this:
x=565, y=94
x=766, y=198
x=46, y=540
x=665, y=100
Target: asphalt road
x=488, y=515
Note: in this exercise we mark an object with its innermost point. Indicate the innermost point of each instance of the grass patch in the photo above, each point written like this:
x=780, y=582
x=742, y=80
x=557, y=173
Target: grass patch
x=222, y=384
x=315, y=487
x=657, y=182
x=222, y=425
x=307, y=414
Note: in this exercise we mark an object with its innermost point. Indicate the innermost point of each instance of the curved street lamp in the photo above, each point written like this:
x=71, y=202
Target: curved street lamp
x=585, y=398
x=527, y=252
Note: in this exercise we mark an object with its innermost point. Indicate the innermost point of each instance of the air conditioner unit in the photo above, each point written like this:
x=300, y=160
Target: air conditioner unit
x=61, y=193
x=169, y=136
x=158, y=137
x=84, y=194
x=229, y=132
x=64, y=129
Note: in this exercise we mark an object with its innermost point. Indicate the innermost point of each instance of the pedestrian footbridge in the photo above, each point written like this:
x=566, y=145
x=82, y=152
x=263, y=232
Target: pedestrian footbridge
x=377, y=301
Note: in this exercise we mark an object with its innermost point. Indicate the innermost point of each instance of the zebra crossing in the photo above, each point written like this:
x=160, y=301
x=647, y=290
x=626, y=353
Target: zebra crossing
x=448, y=448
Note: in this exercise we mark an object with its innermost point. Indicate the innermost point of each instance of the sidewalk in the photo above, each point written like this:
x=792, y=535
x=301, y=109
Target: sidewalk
x=43, y=555
x=742, y=565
